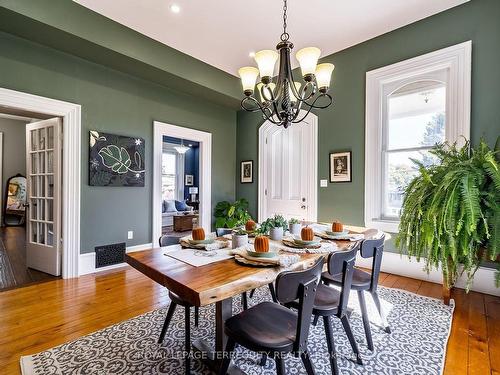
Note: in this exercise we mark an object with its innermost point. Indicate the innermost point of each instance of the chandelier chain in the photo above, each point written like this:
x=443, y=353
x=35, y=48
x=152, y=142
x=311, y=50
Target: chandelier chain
x=285, y=36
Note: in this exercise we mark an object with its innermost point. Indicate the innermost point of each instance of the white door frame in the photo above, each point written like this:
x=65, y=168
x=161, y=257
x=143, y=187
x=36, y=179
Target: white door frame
x=71, y=168
x=312, y=121
x=205, y=139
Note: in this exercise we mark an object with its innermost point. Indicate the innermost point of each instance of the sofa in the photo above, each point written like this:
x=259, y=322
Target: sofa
x=170, y=208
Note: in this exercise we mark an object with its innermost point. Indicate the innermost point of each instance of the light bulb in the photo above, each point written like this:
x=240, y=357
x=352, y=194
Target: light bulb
x=266, y=60
x=324, y=75
x=248, y=75
x=266, y=96
x=308, y=58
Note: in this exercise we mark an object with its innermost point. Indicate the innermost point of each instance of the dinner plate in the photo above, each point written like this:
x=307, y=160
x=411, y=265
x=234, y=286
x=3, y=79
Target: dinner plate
x=256, y=254
x=206, y=241
x=305, y=243
x=343, y=233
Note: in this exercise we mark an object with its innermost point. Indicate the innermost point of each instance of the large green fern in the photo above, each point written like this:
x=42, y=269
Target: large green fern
x=451, y=211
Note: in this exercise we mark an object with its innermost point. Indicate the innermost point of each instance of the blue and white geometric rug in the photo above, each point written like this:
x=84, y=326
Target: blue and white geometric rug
x=417, y=345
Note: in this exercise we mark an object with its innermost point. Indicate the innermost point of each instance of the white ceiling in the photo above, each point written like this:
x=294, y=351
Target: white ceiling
x=223, y=32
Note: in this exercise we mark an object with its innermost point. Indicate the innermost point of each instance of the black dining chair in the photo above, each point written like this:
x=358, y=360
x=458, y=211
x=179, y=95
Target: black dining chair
x=330, y=302
x=273, y=329
x=366, y=281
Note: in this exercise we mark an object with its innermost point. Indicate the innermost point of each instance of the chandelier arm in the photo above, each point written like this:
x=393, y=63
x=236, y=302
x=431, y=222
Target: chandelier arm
x=325, y=95
x=250, y=109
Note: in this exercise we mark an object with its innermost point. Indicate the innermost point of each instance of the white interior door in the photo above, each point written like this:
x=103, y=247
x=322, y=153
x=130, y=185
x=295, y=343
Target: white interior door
x=43, y=168
x=288, y=170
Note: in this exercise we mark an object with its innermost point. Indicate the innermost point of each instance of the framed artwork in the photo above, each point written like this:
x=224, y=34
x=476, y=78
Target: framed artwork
x=189, y=180
x=246, y=172
x=116, y=160
x=340, y=167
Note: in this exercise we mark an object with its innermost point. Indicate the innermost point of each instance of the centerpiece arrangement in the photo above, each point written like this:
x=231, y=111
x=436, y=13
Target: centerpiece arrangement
x=274, y=226
x=451, y=212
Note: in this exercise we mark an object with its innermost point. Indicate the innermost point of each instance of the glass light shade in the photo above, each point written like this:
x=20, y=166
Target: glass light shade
x=308, y=58
x=181, y=149
x=248, y=75
x=266, y=60
x=324, y=74
x=293, y=99
x=266, y=91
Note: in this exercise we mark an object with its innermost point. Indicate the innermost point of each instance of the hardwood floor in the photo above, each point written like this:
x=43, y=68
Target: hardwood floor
x=41, y=316
x=13, y=270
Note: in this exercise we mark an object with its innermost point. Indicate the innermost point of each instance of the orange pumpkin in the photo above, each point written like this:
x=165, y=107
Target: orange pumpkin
x=261, y=244
x=198, y=234
x=307, y=234
x=250, y=225
x=337, y=226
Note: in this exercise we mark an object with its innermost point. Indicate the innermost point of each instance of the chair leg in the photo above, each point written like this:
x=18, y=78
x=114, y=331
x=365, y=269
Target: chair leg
x=227, y=356
x=315, y=320
x=381, y=311
x=273, y=292
x=306, y=360
x=263, y=360
x=170, y=313
x=350, y=336
x=280, y=364
x=196, y=316
x=331, y=345
x=244, y=300
x=252, y=293
x=366, y=320
x=187, y=339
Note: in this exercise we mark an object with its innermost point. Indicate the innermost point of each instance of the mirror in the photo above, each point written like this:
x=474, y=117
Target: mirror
x=14, y=211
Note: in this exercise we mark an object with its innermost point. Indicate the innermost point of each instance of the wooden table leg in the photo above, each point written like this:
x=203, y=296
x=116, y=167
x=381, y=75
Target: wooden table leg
x=213, y=357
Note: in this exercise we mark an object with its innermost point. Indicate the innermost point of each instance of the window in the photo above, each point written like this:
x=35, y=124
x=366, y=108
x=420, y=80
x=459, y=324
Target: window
x=411, y=106
x=168, y=176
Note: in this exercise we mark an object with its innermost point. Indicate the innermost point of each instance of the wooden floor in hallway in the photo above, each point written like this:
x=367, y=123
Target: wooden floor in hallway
x=41, y=316
x=13, y=270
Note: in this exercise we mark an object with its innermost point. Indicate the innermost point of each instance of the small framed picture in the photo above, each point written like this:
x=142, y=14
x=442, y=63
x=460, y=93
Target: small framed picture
x=189, y=180
x=246, y=172
x=340, y=167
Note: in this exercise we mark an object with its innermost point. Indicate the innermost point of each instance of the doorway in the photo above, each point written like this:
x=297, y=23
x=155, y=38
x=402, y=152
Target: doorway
x=30, y=206
x=189, y=182
x=288, y=165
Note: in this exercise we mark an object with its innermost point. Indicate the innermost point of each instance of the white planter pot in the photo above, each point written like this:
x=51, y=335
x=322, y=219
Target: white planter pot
x=295, y=228
x=276, y=234
x=239, y=240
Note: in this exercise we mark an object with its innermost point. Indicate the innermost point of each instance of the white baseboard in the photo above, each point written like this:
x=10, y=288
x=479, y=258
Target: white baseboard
x=86, y=262
x=484, y=279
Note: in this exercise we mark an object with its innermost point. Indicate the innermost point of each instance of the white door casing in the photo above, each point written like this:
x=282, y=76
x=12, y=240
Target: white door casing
x=288, y=164
x=71, y=166
x=43, y=170
x=205, y=167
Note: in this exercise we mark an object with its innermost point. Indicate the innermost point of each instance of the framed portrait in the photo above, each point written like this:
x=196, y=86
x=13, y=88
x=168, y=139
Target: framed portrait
x=189, y=180
x=246, y=172
x=340, y=166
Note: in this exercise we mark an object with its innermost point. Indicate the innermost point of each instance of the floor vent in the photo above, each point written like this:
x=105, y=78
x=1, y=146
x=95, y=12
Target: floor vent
x=108, y=255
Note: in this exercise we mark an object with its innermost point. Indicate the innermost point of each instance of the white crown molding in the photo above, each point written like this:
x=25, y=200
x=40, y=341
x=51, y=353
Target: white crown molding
x=71, y=115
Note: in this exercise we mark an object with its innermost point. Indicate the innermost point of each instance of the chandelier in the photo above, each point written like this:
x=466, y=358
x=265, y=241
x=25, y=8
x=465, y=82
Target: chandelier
x=181, y=149
x=284, y=101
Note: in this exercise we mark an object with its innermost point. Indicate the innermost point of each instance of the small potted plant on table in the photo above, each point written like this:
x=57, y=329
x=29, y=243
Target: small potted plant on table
x=294, y=226
x=275, y=226
x=240, y=238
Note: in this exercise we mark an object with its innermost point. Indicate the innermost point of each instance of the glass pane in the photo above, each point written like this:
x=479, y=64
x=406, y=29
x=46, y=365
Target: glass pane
x=34, y=186
x=41, y=135
x=34, y=231
x=50, y=186
x=50, y=234
x=417, y=115
x=399, y=171
x=41, y=164
x=34, y=163
x=50, y=161
x=168, y=163
x=50, y=210
x=41, y=211
x=50, y=137
x=34, y=140
x=41, y=192
x=41, y=233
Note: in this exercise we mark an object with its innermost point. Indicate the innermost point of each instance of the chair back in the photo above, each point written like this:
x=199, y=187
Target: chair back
x=301, y=286
x=342, y=263
x=374, y=248
x=166, y=240
x=223, y=231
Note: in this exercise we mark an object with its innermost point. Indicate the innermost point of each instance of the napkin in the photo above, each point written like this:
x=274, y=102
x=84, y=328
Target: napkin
x=326, y=247
x=279, y=260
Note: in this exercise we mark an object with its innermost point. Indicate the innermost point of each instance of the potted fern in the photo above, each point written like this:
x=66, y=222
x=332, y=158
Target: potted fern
x=451, y=212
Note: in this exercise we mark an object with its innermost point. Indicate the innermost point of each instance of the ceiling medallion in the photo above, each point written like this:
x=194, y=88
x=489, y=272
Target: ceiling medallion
x=281, y=101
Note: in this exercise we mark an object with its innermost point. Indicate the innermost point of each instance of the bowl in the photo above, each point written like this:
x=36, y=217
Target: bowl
x=302, y=242
x=206, y=241
x=256, y=254
x=343, y=233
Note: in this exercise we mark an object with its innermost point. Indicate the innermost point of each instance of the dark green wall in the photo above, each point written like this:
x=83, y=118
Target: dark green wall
x=342, y=126
x=115, y=102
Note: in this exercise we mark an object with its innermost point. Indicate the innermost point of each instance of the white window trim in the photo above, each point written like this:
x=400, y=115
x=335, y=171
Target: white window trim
x=457, y=59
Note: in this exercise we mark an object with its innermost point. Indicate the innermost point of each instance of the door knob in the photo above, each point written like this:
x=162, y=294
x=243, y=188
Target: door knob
x=303, y=206
x=303, y=199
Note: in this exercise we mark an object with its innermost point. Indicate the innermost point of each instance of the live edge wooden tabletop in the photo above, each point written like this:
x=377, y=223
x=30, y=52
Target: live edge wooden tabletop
x=214, y=282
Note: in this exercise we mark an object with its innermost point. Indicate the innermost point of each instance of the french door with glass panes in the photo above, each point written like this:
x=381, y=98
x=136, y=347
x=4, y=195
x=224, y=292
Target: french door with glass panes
x=43, y=168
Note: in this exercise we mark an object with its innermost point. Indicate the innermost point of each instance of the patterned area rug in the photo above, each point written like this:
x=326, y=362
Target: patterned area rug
x=417, y=345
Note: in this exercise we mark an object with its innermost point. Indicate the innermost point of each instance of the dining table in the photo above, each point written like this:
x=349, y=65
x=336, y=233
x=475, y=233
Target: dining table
x=217, y=283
